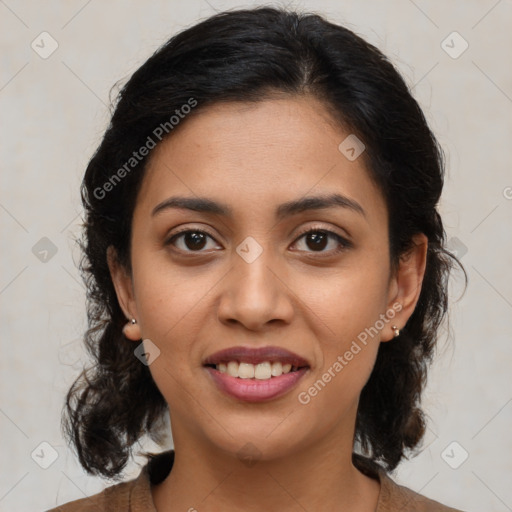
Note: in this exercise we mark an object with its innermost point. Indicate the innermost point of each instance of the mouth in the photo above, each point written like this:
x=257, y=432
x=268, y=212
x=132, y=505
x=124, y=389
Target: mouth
x=255, y=363
x=255, y=374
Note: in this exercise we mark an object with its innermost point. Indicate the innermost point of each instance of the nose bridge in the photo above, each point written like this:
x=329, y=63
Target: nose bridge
x=253, y=278
x=254, y=293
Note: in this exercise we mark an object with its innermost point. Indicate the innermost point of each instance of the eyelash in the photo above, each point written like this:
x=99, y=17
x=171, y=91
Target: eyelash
x=344, y=244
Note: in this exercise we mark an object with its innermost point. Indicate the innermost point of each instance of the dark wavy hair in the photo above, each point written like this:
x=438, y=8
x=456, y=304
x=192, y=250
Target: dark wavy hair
x=249, y=55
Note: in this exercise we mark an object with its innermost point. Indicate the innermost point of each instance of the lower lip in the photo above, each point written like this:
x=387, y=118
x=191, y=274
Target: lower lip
x=256, y=390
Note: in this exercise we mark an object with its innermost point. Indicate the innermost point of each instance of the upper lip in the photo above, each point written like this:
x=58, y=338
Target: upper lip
x=256, y=355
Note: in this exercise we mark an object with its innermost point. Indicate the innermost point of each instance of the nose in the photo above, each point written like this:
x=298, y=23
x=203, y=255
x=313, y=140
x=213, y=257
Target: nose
x=255, y=294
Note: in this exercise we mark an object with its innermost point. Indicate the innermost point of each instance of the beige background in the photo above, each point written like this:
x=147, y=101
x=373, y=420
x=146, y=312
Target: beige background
x=53, y=113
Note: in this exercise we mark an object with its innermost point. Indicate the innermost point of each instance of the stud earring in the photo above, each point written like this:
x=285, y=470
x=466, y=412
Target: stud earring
x=396, y=330
x=128, y=325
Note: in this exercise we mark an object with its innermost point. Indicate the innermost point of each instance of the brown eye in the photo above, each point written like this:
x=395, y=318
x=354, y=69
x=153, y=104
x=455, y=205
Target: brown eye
x=316, y=240
x=191, y=240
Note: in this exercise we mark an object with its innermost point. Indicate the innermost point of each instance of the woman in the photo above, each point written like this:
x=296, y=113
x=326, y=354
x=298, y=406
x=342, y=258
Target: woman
x=265, y=261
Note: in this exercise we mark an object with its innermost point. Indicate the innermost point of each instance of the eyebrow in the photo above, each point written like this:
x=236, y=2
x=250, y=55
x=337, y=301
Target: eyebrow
x=206, y=205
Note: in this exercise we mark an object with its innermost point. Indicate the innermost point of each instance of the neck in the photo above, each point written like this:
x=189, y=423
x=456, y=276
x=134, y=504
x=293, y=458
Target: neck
x=316, y=478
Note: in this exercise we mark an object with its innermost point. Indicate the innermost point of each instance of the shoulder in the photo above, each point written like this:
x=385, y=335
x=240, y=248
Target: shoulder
x=119, y=497
x=132, y=496
x=397, y=497
x=393, y=496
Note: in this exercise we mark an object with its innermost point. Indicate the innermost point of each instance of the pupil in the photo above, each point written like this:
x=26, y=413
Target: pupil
x=319, y=240
x=198, y=240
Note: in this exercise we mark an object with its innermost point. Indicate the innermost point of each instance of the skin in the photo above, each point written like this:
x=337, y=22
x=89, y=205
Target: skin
x=311, y=301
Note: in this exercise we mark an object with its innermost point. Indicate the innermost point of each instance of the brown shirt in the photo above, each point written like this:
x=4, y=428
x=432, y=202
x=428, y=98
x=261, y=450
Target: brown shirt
x=135, y=495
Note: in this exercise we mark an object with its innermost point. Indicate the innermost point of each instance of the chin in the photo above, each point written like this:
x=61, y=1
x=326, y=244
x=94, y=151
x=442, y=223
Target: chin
x=267, y=439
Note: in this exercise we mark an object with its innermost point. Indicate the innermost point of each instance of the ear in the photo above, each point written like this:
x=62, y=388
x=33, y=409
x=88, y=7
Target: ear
x=405, y=285
x=124, y=290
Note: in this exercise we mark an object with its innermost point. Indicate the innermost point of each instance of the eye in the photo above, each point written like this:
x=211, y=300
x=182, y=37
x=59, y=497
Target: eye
x=192, y=240
x=317, y=239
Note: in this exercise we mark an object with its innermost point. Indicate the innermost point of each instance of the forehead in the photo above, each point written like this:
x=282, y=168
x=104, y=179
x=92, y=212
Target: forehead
x=254, y=156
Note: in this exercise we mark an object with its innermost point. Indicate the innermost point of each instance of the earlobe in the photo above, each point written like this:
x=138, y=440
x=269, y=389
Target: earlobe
x=124, y=290
x=131, y=330
x=406, y=285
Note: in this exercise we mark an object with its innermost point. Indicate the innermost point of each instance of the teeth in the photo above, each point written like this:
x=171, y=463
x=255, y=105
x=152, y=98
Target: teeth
x=277, y=369
x=246, y=371
x=232, y=368
x=261, y=371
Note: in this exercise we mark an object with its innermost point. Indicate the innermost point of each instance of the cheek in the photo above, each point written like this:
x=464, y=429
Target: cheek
x=347, y=309
x=344, y=303
x=347, y=362
x=170, y=301
x=171, y=308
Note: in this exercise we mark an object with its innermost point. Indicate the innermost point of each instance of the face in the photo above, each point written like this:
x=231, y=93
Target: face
x=247, y=290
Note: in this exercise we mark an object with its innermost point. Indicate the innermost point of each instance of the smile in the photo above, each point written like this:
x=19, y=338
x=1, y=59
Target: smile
x=255, y=375
x=261, y=371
